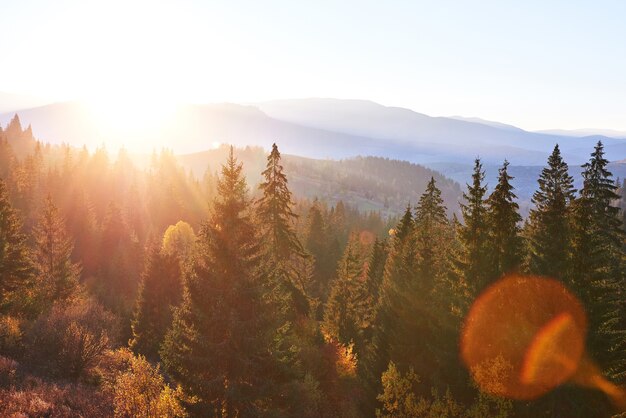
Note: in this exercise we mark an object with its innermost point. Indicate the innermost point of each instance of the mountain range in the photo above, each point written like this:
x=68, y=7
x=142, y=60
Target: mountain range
x=341, y=129
x=327, y=128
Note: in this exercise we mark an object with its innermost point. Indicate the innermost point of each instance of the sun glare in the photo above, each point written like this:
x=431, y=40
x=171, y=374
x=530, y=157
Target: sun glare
x=130, y=114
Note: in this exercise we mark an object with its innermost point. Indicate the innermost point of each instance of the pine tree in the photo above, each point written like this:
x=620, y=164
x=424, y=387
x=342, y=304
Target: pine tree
x=597, y=260
x=404, y=227
x=346, y=313
x=432, y=232
x=399, y=266
x=218, y=346
x=118, y=270
x=160, y=291
x=411, y=319
x=474, y=261
x=15, y=264
x=317, y=244
x=82, y=226
x=369, y=368
x=376, y=270
x=407, y=321
x=278, y=237
x=7, y=158
x=57, y=276
x=505, y=244
x=549, y=232
x=622, y=203
x=275, y=212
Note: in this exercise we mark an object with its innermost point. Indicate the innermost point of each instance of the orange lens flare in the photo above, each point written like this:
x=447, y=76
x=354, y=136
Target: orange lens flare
x=525, y=335
x=533, y=325
x=554, y=352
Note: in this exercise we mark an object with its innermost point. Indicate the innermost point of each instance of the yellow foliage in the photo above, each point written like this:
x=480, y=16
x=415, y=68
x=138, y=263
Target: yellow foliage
x=346, y=361
x=10, y=333
x=140, y=391
x=179, y=240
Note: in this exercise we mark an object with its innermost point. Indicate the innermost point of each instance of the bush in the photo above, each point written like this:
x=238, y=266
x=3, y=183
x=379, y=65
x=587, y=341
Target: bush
x=67, y=341
x=138, y=389
x=8, y=371
x=11, y=335
x=37, y=398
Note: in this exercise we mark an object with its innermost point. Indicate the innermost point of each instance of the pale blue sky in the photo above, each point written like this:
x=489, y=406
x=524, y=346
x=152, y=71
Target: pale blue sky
x=535, y=64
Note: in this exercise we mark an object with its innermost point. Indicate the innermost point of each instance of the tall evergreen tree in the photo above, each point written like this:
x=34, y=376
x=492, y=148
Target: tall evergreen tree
x=376, y=269
x=505, y=243
x=346, y=314
x=399, y=267
x=160, y=291
x=280, y=244
x=410, y=317
x=549, y=232
x=57, y=276
x=597, y=271
x=404, y=228
x=218, y=346
x=368, y=368
x=407, y=322
x=432, y=233
x=318, y=245
x=474, y=260
x=15, y=265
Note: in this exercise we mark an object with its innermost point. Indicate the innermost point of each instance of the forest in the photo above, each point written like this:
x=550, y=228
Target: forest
x=152, y=291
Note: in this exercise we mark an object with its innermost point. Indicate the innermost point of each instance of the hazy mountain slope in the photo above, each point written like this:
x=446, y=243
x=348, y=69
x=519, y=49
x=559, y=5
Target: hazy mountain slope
x=317, y=128
x=450, y=139
x=198, y=127
x=10, y=102
x=585, y=132
x=67, y=122
x=369, y=183
x=494, y=124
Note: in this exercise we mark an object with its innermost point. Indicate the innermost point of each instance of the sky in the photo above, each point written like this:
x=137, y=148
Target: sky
x=534, y=64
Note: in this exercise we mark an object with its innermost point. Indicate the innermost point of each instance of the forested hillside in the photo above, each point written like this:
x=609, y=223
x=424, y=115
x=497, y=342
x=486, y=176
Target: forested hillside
x=367, y=183
x=162, y=289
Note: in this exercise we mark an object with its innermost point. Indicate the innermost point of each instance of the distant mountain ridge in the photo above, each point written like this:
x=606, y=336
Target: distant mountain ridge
x=337, y=130
x=327, y=128
x=445, y=139
x=590, y=132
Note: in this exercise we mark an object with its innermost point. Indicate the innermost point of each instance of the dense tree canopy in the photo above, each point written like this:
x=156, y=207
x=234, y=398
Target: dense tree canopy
x=282, y=305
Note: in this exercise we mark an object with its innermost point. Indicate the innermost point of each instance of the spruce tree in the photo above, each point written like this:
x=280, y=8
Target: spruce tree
x=368, y=368
x=218, y=346
x=597, y=263
x=376, y=269
x=474, y=258
x=56, y=275
x=399, y=265
x=432, y=232
x=504, y=220
x=280, y=245
x=318, y=245
x=549, y=231
x=160, y=291
x=407, y=323
x=410, y=323
x=404, y=228
x=15, y=265
x=346, y=314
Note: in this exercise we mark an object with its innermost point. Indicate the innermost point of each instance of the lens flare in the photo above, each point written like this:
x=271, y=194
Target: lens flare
x=535, y=325
x=555, y=351
x=533, y=329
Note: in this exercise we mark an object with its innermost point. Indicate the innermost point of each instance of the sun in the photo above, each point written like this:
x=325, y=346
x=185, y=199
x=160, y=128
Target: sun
x=129, y=113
